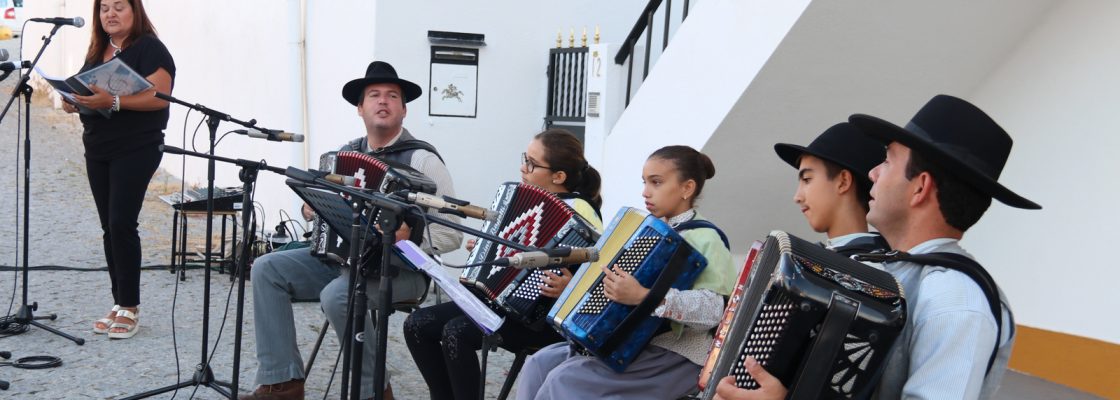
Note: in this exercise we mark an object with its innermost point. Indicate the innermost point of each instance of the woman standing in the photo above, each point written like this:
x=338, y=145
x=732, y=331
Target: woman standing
x=442, y=339
x=122, y=151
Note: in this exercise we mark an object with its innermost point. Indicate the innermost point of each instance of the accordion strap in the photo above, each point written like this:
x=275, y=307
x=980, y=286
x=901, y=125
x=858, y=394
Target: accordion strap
x=864, y=244
x=962, y=264
x=361, y=143
x=643, y=310
x=700, y=223
x=822, y=356
x=414, y=144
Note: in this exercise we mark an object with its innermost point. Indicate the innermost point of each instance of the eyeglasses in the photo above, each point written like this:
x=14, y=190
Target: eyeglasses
x=530, y=165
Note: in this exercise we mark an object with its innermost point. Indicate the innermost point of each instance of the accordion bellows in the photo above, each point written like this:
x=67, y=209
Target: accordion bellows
x=657, y=256
x=534, y=217
x=821, y=323
x=369, y=173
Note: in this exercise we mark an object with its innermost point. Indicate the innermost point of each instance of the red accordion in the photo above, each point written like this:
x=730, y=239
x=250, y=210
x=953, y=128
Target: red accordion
x=534, y=217
x=369, y=173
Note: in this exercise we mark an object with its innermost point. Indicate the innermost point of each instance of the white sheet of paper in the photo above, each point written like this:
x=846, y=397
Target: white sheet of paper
x=482, y=315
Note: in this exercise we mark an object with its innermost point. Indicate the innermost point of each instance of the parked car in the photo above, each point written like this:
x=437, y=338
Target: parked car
x=13, y=15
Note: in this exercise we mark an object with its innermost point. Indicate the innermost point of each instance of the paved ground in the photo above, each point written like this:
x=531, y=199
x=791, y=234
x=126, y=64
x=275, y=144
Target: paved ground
x=64, y=231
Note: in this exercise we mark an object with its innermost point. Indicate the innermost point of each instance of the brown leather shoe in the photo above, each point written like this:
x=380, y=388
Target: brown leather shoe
x=388, y=392
x=290, y=390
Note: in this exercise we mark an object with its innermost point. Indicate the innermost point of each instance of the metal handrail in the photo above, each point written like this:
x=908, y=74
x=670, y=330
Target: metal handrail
x=645, y=25
x=635, y=32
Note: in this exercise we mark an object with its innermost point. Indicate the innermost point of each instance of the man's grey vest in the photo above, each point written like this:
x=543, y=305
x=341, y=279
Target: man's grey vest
x=400, y=152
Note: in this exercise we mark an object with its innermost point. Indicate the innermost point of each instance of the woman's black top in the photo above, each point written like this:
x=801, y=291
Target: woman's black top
x=128, y=130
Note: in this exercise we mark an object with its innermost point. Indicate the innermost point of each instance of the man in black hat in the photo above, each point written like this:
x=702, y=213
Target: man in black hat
x=940, y=175
x=282, y=277
x=833, y=188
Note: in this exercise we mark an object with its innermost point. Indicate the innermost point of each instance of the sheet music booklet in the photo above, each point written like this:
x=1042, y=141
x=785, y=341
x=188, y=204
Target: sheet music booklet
x=114, y=76
x=481, y=314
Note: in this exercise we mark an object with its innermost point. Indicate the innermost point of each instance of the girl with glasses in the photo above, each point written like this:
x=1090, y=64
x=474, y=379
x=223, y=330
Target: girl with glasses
x=442, y=339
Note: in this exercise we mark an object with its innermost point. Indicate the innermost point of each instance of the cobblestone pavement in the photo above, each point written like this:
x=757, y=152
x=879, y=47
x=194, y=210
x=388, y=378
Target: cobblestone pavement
x=64, y=231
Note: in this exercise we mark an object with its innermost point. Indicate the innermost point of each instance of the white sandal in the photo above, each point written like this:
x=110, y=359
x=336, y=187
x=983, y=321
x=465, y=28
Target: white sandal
x=130, y=329
x=107, y=322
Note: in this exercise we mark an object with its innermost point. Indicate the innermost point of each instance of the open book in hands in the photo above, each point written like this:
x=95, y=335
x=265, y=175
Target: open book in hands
x=114, y=76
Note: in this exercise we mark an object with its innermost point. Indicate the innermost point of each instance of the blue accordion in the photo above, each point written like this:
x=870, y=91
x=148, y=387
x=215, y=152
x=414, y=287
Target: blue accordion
x=657, y=256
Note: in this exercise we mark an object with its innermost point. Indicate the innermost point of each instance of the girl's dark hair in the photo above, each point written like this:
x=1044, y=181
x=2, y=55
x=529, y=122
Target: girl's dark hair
x=564, y=152
x=690, y=164
x=99, y=39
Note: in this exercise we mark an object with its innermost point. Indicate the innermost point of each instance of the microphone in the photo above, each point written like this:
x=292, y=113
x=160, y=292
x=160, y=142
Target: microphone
x=550, y=258
x=341, y=179
x=9, y=66
x=13, y=65
x=461, y=207
x=269, y=134
x=78, y=22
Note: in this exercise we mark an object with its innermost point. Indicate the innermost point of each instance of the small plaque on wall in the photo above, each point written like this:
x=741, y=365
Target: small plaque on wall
x=454, y=82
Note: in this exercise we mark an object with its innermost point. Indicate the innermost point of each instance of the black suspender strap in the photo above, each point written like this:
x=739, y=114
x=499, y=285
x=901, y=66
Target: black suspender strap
x=962, y=264
x=359, y=144
x=864, y=244
x=407, y=145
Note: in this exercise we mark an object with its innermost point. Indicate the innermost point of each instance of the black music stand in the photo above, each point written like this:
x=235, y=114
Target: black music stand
x=336, y=211
x=25, y=315
x=324, y=198
x=328, y=204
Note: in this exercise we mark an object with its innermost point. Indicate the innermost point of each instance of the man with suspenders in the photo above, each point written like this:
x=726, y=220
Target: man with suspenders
x=940, y=175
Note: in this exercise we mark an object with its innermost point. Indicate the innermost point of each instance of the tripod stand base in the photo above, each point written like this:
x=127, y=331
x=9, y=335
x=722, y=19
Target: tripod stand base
x=27, y=317
x=203, y=375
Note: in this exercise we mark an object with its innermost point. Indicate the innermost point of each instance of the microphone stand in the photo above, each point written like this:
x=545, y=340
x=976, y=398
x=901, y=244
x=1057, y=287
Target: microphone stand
x=204, y=375
x=25, y=315
x=389, y=217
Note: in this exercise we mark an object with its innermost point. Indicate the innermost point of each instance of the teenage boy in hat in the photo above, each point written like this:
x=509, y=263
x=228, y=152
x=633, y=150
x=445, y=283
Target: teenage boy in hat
x=280, y=278
x=940, y=175
x=833, y=188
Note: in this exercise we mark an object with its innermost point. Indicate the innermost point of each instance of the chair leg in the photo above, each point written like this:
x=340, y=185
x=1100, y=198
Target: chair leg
x=514, y=370
x=315, y=350
x=487, y=341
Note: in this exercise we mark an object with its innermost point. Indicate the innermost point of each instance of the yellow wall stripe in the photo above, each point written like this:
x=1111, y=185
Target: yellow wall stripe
x=1086, y=364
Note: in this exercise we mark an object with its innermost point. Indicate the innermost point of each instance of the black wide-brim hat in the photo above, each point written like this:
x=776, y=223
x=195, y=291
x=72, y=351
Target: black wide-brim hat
x=958, y=137
x=842, y=144
x=379, y=72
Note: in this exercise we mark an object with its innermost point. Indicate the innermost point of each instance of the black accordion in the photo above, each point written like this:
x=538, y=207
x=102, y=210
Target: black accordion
x=369, y=173
x=534, y=217
x=821, y=323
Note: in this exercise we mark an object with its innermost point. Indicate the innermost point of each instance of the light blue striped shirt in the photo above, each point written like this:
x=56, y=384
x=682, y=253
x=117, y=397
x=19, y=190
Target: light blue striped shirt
x=943, y=351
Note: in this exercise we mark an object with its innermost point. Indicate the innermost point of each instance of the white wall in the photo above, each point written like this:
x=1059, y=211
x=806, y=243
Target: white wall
x=839, y=59
x=710, y=61
x=1045, y=70
x=483, y=152
x=1058, y=96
